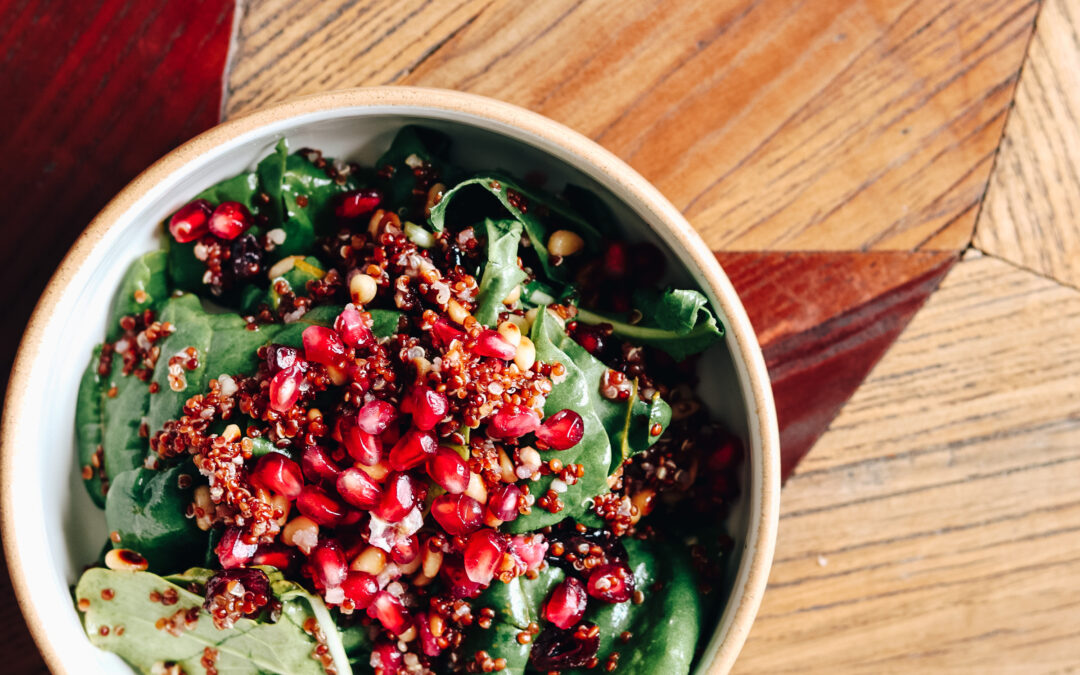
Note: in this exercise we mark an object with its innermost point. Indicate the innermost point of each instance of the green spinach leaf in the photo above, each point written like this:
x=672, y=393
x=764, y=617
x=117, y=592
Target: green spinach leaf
x=192, y=330
x=412, y=146
x=90, y=425
x=501, y=272
x=145, y=286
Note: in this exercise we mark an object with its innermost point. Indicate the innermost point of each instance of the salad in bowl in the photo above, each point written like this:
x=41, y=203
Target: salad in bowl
x=403, y=418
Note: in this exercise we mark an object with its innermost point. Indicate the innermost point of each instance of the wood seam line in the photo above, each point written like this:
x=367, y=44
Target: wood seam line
x=231, y=55
x=1005, y=126
x=1023, y=268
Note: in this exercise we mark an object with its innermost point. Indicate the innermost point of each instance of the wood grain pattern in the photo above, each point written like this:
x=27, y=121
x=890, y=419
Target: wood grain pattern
x=935, y=526
x=1032, y=210
x=833, y=124
x=824, y=320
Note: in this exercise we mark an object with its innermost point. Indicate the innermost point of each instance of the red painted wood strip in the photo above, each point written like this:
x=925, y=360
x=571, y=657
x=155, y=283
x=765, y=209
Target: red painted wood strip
x=824, y=320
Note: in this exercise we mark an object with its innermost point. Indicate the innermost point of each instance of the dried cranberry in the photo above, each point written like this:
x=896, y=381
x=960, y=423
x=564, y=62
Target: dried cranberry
x=555, y=649
x=246, y=259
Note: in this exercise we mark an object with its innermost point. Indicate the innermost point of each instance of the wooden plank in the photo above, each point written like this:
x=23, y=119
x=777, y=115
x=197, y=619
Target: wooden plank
x=1032, y=211
x=824, y=320
x=935, y=526
x=833, y=124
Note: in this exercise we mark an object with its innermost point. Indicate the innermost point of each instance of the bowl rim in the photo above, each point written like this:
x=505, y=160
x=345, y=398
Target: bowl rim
x=753, y=572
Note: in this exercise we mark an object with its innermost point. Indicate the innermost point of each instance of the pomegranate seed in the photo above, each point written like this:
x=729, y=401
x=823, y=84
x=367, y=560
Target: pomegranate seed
x=190, y=221
x=276, y=555
x=375, y=417
x=490, y=343
x=317, y=504
x=428, y=642
x=362, y=446
x=279, y=474
x=280, y=357
x=449, y=470
x=613, y=582
x=458, y=514
x=482, y=555
x=562, y=431
x=398, y=498
x=513, y=422
x=360, y=587
x=503, y=502
x=229, y=220
x=567, y=603
x=285, y=388
x=530, y=549
x=413, y=449
x=459, y=584
x=319, y=466
x=405, y=550
x=232, y=551
x=358, y=202
x=323, y=345
x=385, y=658
x=615, y=260
x=352, y=328
x=358, y=488
x=443, y=332
x=328, y=566
x=390, y=612
x=727, y=455
x=428, y=407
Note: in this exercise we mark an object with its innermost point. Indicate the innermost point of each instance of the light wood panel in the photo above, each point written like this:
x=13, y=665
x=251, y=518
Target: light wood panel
x=936, y=525
x=832, y=124
x=1032, y=211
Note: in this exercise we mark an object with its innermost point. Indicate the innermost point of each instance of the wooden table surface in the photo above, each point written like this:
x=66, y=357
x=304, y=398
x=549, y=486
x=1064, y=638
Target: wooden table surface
x=893, y=186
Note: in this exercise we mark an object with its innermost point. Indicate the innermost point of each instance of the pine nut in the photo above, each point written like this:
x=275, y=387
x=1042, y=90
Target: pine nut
x=457, y=312
x=231, y=433
x=371, y=560
x=530, y=318
x=434, y=196
x=564, y=242
x=510, y=332
x=513, y=296
x=126, y=560
x=283, y=266
x=432, y=562
x=437, y=624
x=362, y=289
x=477, y=490
x=281, y=503
x=643, y=503
x=410, y=567
x=506, y=467
x=204, y=508
x=526, y=354
x=409, y=635
x=301, y=532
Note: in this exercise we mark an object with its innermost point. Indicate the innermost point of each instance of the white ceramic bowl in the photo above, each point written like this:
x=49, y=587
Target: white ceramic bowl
x=50, y=527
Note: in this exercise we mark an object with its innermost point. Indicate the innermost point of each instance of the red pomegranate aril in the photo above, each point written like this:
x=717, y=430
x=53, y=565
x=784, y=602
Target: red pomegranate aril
x=317, y=504
x=358, y=202
x=232, y=551
x=361, y=445
x=503, y=502
x=567, y=603
x=358, y=488
x=375, y=417
x=276, y=555
x=513, y=422
x=405, y=550
x=319, y=466
x=482, y=555
x=229, y=220
x=191, y=221
x=390, y=612
x=328, y=565
x=457, y=514
x=352, y=328
x=279, y=474
x=530, y=549
x=386, y=659
x=360, y=587
x=449, y=470
x=562, y=431
x=322, y=345
x=428, y=407
x=444, y=332
x=428, y=642
x=285, y=388
x=398, y=498
x=457, y=582
x=490, y=343
x=615, y=260
x=613, y=582
x=412, y=449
